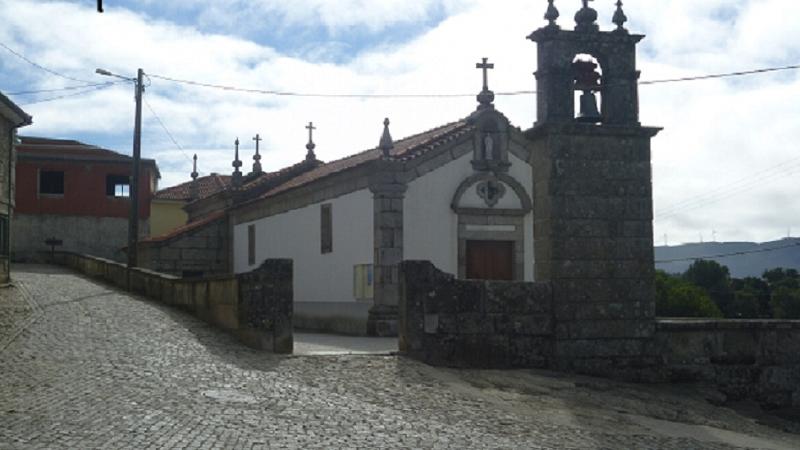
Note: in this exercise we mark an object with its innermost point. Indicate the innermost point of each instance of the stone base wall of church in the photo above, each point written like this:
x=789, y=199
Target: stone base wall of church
x=757, y=359
x=256, y=307
x=201, y=252
x=480, y=324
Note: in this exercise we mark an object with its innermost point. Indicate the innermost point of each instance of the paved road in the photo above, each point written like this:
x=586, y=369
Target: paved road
x=327, y=344
x=83, y=365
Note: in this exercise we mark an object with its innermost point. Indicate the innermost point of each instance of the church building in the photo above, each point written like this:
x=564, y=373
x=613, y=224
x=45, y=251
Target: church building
x=478, y=197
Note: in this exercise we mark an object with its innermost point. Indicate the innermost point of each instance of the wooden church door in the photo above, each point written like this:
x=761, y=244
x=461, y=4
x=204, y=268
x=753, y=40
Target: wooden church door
x=490, y=260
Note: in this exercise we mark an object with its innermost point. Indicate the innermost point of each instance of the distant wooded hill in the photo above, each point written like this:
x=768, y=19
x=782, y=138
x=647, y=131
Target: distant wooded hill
x=756, y=258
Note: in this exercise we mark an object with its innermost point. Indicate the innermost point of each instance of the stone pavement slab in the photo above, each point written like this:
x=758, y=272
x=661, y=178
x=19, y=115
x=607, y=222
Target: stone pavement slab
x=332, y=344
x=100, y=368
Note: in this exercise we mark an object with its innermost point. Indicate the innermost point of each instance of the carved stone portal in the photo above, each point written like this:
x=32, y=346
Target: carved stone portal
x=491, y=191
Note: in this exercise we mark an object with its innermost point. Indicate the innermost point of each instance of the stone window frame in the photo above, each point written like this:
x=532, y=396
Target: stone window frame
x=326, y=228
x=251, y=244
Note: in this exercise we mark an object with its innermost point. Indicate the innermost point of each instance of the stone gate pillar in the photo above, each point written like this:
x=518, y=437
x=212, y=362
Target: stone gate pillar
x=388, y=193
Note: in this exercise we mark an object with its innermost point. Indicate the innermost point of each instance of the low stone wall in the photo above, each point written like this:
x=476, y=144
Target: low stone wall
x=266, y=305
x=757, y=359
x=197, y=252
x=456, y=323
x=256, y=307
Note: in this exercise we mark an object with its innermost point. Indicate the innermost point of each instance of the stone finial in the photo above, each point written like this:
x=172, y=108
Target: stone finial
x=486, y=96
x=386, y=144
x=237, y=175
x=620, y=18
x=586, y=18
x=194, y=189
x=310, y=156
x=552, y=14
x=257, y=156
x=194, y=168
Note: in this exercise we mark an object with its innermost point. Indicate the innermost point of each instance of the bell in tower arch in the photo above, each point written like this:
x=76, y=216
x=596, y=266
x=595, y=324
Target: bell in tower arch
x=589, y=112
x=587, y=80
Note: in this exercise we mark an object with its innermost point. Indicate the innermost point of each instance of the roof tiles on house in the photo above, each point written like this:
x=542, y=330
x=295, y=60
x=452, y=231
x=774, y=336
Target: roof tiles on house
x=207, y=186
x=187, y=228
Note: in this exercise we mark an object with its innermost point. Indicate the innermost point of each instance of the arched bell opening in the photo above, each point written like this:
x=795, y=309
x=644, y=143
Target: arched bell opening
x=588, y=85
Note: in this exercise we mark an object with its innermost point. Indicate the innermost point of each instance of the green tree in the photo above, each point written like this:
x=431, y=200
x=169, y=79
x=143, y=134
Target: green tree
x=715, y=279
x=751, y=298
x=782, y=277
x=786, y=303
x=676, y=297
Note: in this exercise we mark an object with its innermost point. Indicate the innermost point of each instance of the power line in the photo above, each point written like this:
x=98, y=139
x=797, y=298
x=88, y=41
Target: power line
x=723, y=75
x=322, y=95
x=430, y=95
x=726, y=255
x=748, y=180
x=166, y=130
x=74, y=94
x=731, y=190
x=67, y=88
x=39, y=66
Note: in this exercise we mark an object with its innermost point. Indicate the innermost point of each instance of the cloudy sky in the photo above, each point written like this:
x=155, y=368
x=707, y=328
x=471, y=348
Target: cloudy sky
x=726, y=165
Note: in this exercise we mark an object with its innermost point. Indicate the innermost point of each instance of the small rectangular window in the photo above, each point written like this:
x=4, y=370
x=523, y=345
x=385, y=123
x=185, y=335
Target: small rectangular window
x=4, y=236
x=326, y=228
x=251, y=245
x=118, y=186
x=51, y=182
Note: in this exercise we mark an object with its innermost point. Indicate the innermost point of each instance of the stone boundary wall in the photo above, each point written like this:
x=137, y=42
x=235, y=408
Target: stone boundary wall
x=757, y=359
x=202, y=250
x=476, y=324
x=256, y=307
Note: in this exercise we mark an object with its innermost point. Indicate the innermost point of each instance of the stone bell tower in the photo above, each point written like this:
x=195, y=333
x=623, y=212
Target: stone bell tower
x=593, y=208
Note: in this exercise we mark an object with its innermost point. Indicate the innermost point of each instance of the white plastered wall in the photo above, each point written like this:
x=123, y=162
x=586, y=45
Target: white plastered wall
x=296, y=234
x=430, y=227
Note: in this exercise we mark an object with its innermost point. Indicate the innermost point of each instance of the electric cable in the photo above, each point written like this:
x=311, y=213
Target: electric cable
x=166, y=130
x=726, y=255
x=39, y=66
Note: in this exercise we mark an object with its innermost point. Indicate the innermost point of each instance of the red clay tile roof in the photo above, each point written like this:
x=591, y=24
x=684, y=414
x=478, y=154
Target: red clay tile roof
x=67, y=149
x=187, y=228
x=404, y=149
x=207, y=186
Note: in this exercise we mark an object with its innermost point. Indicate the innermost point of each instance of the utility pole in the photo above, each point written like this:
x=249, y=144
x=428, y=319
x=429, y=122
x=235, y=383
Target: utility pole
x=133, y=189
x=133, y=225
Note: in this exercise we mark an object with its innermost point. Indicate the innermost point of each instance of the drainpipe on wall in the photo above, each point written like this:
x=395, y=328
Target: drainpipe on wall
x=11, y=138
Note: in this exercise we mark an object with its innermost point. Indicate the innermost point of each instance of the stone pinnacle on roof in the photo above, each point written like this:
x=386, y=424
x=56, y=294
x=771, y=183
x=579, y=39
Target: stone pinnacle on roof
x=237, y=175
x=386, y=144
x=486, y=97
x=586, y=18
x=257, y=156
x=194, y=190
x=552, y=14
x=310, y=156
x=194, y=168
x=620, y=18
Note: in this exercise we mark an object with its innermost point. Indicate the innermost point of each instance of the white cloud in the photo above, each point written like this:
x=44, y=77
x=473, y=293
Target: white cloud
x=716, y=132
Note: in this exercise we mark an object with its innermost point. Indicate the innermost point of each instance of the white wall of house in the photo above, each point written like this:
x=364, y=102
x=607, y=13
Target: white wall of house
x=430, y=227
x=296, y=234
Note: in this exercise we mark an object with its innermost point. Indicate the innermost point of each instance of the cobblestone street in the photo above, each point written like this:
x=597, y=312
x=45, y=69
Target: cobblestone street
x=83, y=365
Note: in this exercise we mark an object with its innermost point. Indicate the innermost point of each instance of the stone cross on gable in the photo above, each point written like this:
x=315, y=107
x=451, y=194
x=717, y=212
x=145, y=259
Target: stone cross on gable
x=311, y=129
x=485, y=66
x=310, y=156
x=257, y=156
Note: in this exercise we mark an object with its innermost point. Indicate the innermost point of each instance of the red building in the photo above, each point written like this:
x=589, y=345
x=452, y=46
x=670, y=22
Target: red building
x=77, y=194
